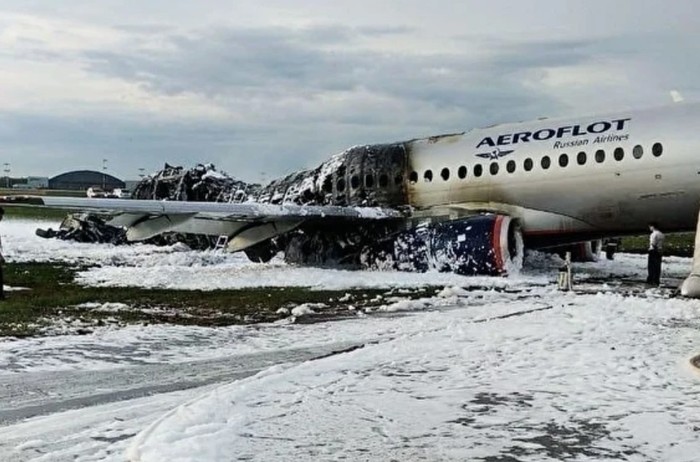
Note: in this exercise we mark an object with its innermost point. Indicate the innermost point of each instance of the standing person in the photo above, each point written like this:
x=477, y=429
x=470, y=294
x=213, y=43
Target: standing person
x=2, y=262
x=656, y=245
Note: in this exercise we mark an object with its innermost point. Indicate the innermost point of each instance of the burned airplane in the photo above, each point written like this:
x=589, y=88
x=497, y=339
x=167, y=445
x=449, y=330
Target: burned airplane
x=466, y=202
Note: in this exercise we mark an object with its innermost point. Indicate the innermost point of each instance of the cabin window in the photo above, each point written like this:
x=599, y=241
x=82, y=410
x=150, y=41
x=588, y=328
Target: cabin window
x=657, y=149
x=413, y=178
x=445, y=174
x=600, y=156
x=478, y=170
x=462, y=172
x=637, y=152
x=398, y=179
x=340, y=185
x=619, y=154
x=355, y=182
x=510, y=166
x=528, y=164
x=328, y=184
x=581, y=158
x=369, y=181
x=493, y=168
x=545, y=162
x=383, y=180
x=563, y=160
x=428, y=176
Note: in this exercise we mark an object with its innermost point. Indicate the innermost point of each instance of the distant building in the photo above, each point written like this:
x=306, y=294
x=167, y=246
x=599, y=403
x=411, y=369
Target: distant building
x=81, y=180
x=37, y=182
x=27, y=182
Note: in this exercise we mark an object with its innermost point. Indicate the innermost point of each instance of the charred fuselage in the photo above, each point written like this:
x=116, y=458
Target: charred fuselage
x=363, y=176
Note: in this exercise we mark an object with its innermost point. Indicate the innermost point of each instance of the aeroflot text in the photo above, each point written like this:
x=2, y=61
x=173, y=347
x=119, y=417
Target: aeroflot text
x=545, y=134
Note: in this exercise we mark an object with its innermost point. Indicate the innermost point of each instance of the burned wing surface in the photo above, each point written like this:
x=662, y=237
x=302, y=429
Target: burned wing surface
x=249, y=225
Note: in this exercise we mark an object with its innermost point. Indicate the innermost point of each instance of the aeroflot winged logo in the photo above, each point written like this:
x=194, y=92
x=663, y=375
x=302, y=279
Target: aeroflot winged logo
x=495, y=154
x=578, y=135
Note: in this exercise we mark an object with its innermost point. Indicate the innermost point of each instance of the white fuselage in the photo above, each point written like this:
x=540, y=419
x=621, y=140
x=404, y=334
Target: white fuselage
x=657, y=176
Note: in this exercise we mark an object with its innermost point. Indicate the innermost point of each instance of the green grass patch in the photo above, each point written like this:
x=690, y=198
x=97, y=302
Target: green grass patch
x=34, y=213
x=678, y=244
x=54, y=296
x=41, y=192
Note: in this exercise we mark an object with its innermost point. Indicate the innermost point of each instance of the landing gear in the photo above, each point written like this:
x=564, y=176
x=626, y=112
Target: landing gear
x=691, y=285
x=262, y=252
x=611, y=247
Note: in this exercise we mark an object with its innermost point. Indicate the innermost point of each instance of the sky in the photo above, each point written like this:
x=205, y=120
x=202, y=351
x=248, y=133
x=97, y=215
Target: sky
x=261, y=89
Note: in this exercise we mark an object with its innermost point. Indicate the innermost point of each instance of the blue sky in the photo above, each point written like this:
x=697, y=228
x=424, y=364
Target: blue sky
x=264, y=88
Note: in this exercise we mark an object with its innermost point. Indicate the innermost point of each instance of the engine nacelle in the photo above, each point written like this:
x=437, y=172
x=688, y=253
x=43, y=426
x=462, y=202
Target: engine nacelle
x=479, y=245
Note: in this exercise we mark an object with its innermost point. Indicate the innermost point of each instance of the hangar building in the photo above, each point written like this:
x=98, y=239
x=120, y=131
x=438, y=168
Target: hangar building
x=81, y=180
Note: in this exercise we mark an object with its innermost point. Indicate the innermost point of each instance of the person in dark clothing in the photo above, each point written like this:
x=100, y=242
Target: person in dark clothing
x=656, y=244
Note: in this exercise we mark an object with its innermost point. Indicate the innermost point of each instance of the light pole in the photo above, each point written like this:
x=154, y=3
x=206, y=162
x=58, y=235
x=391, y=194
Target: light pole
x=141, y=172
x=6, y=166
x=104, y=174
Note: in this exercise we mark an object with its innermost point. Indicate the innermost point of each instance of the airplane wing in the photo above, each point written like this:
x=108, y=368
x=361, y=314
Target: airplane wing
x=245, y=223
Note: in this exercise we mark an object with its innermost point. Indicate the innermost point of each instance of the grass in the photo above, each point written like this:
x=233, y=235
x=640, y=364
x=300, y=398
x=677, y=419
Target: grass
x=41, y=192
x=678, y=244
x=34, y=213
x=54, y=296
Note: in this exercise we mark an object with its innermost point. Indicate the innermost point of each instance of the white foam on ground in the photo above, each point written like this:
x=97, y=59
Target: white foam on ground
x=464, y=375
x=176, y=267
x=588, y=376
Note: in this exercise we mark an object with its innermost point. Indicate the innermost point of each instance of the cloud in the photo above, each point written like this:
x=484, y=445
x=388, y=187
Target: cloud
x=284, y=94
x=263, y=67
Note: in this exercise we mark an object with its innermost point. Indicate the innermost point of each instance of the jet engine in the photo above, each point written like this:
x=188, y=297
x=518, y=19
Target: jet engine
x=480, y=245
